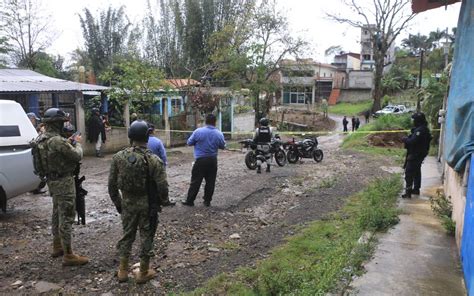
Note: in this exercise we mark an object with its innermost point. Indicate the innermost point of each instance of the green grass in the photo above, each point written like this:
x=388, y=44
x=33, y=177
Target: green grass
x=350, y=109
x=323, y=256
x=359, y=141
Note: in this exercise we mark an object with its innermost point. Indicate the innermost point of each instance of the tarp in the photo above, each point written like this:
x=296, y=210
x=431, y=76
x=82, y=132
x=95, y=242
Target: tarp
x=467, y=243
x=459, y=138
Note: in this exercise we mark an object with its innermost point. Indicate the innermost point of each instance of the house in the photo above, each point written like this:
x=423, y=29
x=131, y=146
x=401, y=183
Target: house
x=367, y=44
x=457, y=134
x=305, y=81
x=346, y=62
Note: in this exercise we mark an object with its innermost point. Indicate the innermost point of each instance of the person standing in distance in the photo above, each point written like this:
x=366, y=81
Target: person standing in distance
x=345, y=122
x=417, y=145
x=156, y=146
x=96, y=132
x=206, y=141
x=133, y=173
x=61, y=156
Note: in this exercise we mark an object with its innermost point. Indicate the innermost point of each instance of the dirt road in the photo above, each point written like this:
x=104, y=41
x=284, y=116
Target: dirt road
x=249, y=215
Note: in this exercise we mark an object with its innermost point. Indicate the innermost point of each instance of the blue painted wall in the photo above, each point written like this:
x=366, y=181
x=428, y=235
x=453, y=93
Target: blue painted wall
x=467, y=243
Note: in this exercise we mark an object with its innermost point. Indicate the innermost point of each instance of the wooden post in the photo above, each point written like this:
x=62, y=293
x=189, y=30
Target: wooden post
x=167, y=123
x=126, y=115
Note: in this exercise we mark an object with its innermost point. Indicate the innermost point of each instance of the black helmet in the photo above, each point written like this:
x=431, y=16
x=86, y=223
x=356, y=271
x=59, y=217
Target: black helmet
x=95, y=110
x=263, y=121
x=419, y=119
x=55, y=115
x=138, y=131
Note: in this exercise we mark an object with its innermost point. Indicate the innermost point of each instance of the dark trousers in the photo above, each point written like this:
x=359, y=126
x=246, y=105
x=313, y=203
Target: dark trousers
x=203, y=168
x=413, y=174
x=345, y=128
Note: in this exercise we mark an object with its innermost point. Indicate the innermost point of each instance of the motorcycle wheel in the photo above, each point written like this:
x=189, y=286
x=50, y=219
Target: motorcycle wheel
x=251, y=160
x=280, y=158
x=318, y=155
x=292, y=156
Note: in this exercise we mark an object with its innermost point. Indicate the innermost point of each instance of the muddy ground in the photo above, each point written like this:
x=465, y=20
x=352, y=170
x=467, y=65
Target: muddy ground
x=250, y=214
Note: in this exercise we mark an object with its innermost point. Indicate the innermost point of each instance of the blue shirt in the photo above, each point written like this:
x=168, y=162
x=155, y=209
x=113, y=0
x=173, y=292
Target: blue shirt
x=206, y=141
x=156, y=146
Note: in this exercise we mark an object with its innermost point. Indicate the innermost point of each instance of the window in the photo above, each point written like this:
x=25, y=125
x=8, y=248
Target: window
x=297, y=94
x=366, y=57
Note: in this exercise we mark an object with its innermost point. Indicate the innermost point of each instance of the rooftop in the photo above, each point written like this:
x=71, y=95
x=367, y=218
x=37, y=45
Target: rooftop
x=20, y=80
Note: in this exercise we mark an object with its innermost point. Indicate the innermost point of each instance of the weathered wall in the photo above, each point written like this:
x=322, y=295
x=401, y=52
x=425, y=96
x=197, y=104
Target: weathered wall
x=354, y=95
x=360, y=79
x=117, y=139
x=455, y=188
x=244, y=122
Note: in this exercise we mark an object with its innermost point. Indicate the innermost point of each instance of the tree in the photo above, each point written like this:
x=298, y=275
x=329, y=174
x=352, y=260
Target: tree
x=107, y=37
x=385, y=20
x=415, y=43
x=4, y=50
x=27, y=27
x=135, y=81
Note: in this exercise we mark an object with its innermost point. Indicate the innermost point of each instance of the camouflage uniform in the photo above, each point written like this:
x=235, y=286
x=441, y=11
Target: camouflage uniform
x=62, y=158
x=134, y=205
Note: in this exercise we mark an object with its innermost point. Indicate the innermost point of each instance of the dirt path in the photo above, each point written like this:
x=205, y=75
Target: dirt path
x=249, y=215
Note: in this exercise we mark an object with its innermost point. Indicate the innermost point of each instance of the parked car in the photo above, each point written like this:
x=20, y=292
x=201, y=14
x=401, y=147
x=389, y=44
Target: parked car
x=391, y=109
x=16, y=161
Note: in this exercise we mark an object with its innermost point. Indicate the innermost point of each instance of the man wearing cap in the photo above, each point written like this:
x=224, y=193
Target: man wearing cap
x=417, y=145
x=206, y=141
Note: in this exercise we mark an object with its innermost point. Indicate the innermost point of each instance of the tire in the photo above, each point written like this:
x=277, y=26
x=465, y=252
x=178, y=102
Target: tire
x=251, y=160
x=280, y=158
x=318, y=155
x=292, y=156
x=3, y=200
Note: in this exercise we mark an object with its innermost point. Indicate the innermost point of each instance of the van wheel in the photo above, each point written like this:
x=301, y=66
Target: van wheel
x=3, y=200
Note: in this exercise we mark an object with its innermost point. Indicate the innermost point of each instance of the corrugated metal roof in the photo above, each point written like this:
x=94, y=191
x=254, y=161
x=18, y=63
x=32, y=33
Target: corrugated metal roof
x=180, y=83
x=19, y=80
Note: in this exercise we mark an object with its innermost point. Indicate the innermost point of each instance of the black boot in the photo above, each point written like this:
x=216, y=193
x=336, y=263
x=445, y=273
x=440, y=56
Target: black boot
x=407, y=194
x=98, y=154
x=259, y=169
x=268, y=168
x=415, y=191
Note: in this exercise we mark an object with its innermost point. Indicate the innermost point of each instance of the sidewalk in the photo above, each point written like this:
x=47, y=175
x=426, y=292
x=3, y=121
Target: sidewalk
x=416, y=257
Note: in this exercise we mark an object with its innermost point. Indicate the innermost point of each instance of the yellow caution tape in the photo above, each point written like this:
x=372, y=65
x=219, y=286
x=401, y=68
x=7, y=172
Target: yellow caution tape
x=324, y=133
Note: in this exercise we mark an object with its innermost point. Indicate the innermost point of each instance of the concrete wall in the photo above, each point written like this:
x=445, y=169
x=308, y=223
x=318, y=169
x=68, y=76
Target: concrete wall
x=360, y=79
x=244, y=122
x=117, y=139
x=455, y=187
x=354, y=95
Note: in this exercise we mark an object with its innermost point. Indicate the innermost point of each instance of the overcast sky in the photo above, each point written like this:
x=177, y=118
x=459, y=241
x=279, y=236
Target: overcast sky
x=307, y=18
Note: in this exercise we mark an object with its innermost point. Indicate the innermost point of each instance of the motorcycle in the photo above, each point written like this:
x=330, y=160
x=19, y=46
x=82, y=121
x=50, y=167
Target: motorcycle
x=308, y=148
x=275, y=150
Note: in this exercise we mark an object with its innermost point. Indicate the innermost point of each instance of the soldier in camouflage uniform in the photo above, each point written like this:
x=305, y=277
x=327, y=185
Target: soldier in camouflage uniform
x=131, y=172
x=60, y=157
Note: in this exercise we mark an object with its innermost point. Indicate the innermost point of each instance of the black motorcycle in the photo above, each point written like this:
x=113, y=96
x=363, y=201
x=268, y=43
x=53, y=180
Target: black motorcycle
x=308, y=148
x=275, y=150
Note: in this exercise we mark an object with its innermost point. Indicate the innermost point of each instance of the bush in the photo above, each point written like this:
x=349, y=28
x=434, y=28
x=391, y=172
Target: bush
x=443, y=209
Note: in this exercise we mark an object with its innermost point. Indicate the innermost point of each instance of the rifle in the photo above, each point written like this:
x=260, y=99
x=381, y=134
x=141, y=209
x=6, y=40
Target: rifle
x=80, y=196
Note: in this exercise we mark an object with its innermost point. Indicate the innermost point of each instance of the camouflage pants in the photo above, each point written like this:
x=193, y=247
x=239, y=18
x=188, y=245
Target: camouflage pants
x=131, y=220
x=63, y=192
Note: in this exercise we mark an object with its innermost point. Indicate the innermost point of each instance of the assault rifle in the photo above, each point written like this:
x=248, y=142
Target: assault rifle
x=80, y=196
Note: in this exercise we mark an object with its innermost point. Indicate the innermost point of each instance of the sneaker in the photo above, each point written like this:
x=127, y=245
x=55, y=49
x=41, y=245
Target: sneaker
x=187, y=203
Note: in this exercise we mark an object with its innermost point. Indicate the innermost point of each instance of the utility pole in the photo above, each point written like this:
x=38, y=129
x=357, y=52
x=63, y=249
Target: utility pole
x=420, y=77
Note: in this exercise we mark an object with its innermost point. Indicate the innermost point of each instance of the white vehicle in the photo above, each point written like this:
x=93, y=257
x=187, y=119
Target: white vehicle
x=391, y=109
x=16, y=161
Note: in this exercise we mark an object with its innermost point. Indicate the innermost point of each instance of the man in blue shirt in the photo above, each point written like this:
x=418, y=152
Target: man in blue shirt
x=206, y=141
x=156, y=146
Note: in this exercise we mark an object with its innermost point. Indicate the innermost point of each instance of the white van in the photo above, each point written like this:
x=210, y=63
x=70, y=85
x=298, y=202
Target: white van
x=16, y=161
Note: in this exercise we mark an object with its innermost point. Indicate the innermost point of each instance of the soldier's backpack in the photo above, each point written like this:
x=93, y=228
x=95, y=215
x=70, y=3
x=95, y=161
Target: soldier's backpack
x=133, y=173
x=40, y=155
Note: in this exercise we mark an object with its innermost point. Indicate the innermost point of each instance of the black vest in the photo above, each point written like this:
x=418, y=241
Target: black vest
x=264, y=135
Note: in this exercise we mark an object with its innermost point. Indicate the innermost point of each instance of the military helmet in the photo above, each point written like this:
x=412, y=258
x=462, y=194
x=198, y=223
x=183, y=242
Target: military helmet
x=419, y=119
x=55, y=115
x=95, y=110
x=263, y=121
x=139, y=131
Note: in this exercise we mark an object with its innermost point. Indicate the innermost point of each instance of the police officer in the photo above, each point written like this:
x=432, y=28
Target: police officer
x=263, y=137
x=60, y=156
x=417, y=145
x=132, y=170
